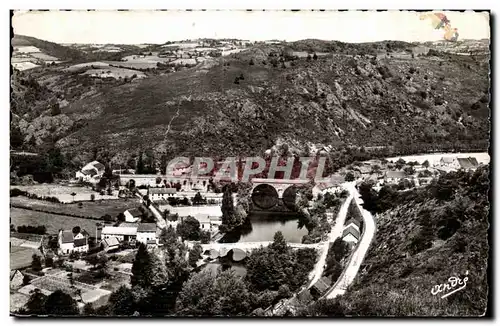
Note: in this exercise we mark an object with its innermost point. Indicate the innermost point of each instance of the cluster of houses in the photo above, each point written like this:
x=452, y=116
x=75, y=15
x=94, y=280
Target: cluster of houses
x=92, y=172
x=418, y=175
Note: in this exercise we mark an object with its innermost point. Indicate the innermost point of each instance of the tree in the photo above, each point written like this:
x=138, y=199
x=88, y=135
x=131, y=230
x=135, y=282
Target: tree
x=426, y=164
x=49, y=262
x=228, y=214
x=36, y=263
x=349, y=177
x=409, y=170
x=198, y=199
x=141, y=268
x=73, y=194
x=251, y=63
x=88, y=310
x=189, y=229
x=340, y=249
x=36, y=303
x=55, y=109
x=120, y=217
x=279, y=243
x=122, y=302
x=76, y=230
x=61, y=304
x=205, y=294
x=195, y=255
x=315, y=56
x=140, y=165
x=107, y=218
x=308, y=57
x=284, y=291
x=92, y=197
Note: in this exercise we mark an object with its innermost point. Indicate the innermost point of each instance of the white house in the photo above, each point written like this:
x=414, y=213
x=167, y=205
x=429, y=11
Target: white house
x=350, y=234
x=132, y=215
x=111, y=243
x=146, y=232
x=394, y=176
x=91, y=172
x=450, y=162
x=123, y=232
x=70, y=242
x=161, y=193
x=207, y=222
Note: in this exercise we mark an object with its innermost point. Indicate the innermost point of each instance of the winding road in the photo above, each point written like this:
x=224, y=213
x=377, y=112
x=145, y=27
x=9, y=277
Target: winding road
x=350, y=272
x=336, y=232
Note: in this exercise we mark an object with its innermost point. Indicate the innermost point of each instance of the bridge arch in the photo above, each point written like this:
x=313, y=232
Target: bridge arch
x=265, y=196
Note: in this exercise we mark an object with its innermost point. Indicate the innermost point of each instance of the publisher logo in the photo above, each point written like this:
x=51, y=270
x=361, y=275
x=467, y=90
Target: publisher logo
x=454, y=284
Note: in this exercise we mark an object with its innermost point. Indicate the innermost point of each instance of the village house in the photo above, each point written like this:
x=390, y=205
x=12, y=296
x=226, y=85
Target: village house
x=91, y=172
x=468, y=163
x=146, y=233
x=351, y=234
x=132, y=215
x=320, y=287
x=72, y=242
x=123, y=232
x=334, y=185
x=393, y=177
x=155, y=194
x=450, y=162
x=110, y=244
x=208, y=223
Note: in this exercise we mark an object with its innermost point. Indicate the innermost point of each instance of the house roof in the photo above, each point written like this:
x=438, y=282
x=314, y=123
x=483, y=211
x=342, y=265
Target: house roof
x=111, y=242
x=128, y=225
x=395, y=174
x=162, y=191
x=214, y=219
x=351, y=230
x=80, y=242
x=322, y=285
x=474, y=161
x=146, y=227
x=90, y=172
x=119, y=230
x=98, y=165
x=353, y=221
x=364, y=169
x=135, y=212
x=467, y=162
x=447, y=159
x=67, y=236
x=84, y=233
x=151, y=242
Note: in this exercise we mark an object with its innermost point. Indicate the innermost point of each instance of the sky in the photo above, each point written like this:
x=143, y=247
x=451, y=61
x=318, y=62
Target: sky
x=147, y=26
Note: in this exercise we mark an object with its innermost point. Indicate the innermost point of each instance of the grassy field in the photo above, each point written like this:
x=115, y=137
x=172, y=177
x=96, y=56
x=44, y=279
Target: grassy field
x=63, y=192
x=52, y=222
x=21, y=257
x=114, y=72
x=94, y=209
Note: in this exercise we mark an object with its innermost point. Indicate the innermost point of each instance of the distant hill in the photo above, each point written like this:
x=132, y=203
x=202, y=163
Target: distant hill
x=50, y=48
x=352, y=94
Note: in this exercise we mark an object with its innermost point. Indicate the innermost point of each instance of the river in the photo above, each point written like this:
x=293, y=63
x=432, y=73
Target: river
x=262, y=227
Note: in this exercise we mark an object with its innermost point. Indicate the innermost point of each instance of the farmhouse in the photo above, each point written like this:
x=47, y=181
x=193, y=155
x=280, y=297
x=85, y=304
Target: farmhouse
x=91, y=172
x=72, y=242
x=146, y=233
x=208, y=223
x=124, y=232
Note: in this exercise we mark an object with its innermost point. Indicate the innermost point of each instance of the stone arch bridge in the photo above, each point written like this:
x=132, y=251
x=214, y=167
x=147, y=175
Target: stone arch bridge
x=275, y=194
